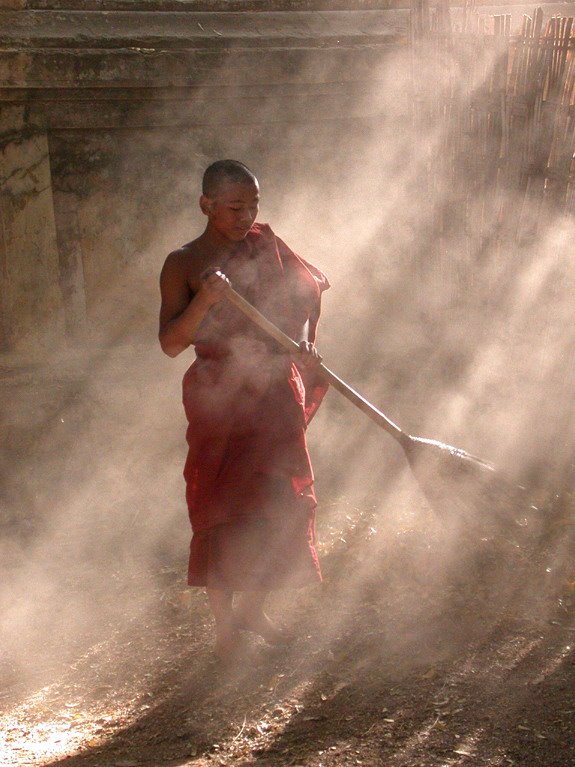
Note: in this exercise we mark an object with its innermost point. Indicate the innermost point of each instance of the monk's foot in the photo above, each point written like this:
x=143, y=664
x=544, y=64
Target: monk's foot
x=263, y=626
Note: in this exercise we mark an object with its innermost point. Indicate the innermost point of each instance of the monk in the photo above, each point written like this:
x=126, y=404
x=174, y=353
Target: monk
x=249, y=480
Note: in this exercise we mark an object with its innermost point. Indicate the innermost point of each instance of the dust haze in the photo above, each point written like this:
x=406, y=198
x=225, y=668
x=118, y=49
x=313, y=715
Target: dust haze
x=458, y=331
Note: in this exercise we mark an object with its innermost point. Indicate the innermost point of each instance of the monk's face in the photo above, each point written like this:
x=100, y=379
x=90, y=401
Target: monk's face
x=232, y=210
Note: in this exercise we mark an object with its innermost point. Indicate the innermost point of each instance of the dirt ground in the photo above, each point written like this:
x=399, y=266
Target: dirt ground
x=391, y=666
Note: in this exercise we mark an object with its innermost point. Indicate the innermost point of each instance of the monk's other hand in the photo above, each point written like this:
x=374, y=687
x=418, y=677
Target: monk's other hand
x=214, y=285
x=308, y=356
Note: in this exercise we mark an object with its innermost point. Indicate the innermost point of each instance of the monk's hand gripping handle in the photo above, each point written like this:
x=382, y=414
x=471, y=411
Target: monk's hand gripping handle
x=214, y=276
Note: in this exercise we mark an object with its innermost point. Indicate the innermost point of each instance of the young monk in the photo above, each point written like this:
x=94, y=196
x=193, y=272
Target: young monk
x=249, y=481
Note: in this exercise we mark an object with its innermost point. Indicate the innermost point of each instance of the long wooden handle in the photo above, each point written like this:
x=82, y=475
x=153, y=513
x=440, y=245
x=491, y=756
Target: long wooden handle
x=291, y=346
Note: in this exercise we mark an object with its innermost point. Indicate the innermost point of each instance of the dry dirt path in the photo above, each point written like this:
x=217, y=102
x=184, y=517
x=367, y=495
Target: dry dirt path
x=402, y=671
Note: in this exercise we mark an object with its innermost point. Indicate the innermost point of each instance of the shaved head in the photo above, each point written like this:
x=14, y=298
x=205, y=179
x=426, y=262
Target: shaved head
x=225, y=170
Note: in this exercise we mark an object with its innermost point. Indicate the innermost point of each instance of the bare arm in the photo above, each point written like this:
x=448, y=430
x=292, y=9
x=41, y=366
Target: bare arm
x=182, y=310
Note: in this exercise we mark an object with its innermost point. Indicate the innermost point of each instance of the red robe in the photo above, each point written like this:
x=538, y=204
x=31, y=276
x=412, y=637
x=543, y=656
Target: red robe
x=249, y=481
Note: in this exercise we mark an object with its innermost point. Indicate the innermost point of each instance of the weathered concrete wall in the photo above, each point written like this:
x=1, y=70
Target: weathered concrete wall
x=31, y=303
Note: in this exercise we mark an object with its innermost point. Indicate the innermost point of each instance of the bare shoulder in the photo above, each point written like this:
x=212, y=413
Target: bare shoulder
x=184, y=265
x=181, y=258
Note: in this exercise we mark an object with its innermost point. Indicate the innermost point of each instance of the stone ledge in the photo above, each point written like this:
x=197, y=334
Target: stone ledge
x=124, y=68
x=166, y=95
x=222, y=6
x=72, y=29
x=131, y=114
x=196, y=6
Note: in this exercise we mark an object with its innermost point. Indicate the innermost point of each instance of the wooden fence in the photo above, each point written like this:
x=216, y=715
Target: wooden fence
x=500, y=108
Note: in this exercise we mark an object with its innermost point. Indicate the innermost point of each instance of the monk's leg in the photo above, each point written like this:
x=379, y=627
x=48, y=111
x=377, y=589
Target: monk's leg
x=250, y=616
x=226, y=631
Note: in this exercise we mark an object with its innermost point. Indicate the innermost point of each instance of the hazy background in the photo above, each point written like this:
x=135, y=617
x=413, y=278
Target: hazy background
x=462, y=340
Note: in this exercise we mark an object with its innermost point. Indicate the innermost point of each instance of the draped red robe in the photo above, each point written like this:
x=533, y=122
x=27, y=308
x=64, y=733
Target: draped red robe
x=249, y=480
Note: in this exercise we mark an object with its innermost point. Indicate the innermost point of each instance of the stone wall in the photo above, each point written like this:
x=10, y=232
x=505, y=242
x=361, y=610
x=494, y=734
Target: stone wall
x=108, y=120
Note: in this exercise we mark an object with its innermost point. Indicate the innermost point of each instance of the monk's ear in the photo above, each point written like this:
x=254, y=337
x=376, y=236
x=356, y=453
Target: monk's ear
x=206, y=205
